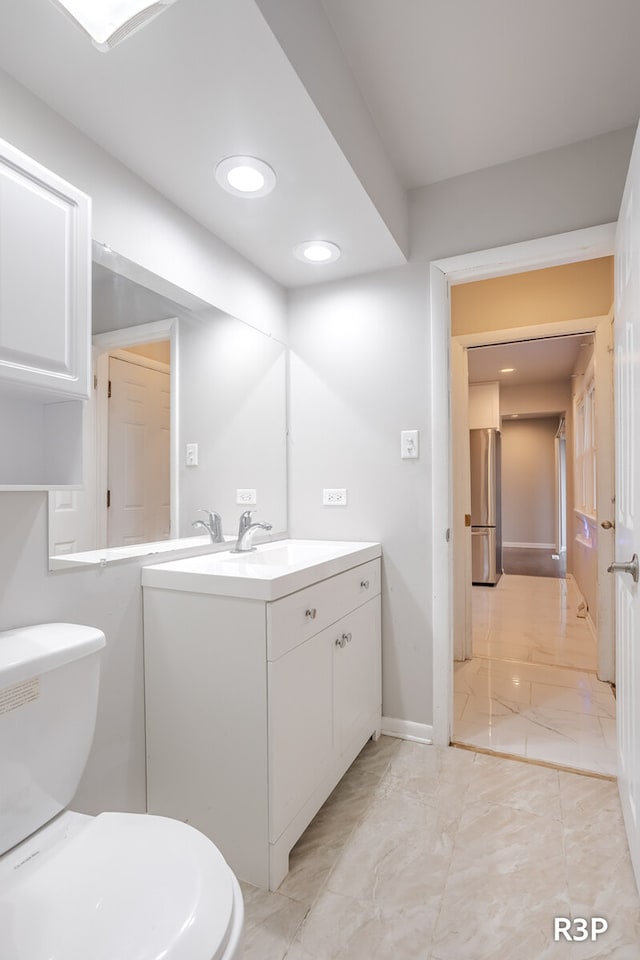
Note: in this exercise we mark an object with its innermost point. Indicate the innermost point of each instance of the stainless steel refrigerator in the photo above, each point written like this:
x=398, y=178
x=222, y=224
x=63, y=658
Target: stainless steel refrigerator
x=486, y=523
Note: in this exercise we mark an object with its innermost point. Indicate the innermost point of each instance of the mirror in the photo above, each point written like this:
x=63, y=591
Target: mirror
x=188, y=409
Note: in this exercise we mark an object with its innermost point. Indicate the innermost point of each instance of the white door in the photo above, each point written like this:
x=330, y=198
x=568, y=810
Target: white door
x=139, y=461
x=627, y=389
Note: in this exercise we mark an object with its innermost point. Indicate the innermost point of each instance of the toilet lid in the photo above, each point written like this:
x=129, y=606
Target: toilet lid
x=125, y=887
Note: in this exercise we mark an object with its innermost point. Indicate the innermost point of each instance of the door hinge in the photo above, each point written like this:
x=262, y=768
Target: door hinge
x=109, y=391
x=95, y=381
x=108, y=498
x=448, y=535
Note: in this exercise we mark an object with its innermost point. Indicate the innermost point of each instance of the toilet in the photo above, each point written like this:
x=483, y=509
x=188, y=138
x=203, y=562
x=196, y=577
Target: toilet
x=117, y=886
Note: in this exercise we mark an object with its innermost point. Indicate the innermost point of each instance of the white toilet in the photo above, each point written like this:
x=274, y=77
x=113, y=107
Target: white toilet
x=118, y=886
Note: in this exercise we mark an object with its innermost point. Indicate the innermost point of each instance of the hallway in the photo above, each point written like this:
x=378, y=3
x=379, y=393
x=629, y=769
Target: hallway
x=531, y=689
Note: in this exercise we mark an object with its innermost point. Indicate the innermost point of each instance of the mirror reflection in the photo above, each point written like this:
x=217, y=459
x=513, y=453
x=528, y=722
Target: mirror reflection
x=188, y=414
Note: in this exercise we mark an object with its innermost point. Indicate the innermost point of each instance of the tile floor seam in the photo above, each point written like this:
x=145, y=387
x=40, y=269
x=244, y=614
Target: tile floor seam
x=465, y=793
x=324, y=885
x=292, y=940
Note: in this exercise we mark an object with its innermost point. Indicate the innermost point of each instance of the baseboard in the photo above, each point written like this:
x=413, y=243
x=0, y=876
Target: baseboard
x=407, y=730
x=530, y=546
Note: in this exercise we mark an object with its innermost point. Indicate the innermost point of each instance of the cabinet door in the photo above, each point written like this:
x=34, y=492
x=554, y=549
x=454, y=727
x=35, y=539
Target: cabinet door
x=300, y=727
x=356, y=674
x=45, y=271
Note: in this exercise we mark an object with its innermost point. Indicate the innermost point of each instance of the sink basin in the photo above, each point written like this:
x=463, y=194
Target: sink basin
x=271, y=571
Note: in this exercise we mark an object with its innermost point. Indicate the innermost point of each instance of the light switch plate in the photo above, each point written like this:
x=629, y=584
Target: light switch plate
x=245, y=496
x=410, y=444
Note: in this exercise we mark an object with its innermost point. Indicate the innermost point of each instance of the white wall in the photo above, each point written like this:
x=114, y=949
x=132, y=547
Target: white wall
x=136, y=221
x=537, y=196
x=359, y=374
x=144, y=227
x=551, y=397
x=358, y=377
x=529, y=481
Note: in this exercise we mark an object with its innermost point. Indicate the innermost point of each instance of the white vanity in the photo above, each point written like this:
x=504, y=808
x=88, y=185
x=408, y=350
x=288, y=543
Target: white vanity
x=262, y=680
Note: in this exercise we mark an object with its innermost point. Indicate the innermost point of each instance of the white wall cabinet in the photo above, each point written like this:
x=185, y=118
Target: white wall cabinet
x=45, y=324
x=484, y=406
x=256, y=709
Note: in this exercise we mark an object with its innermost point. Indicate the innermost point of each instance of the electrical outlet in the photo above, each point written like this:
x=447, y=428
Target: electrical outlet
x=192, y=454
x=334, y=497
x=245, y=497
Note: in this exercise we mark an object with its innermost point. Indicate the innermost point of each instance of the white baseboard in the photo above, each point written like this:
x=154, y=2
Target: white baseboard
x=530, y=546
x=407, y=730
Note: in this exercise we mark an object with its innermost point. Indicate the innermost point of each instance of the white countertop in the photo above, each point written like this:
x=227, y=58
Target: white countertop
x=108, y=555
x=271, y=571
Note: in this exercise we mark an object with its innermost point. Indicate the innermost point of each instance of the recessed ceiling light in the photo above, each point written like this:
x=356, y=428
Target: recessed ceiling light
x=245, y=176
x=317, y=251
x=108, y=22
x=508, y=370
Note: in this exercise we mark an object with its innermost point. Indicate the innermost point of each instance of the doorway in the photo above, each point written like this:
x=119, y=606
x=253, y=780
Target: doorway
x=567, y=248
x=529, y=685
x=139, y=445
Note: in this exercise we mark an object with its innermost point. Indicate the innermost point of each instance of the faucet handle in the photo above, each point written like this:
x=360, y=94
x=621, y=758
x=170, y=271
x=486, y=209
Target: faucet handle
x=245, y=520
x=212, y=516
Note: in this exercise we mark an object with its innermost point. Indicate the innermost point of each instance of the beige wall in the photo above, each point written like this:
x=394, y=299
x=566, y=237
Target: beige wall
x=529, y=481
x=160, y=350
x=569, y=292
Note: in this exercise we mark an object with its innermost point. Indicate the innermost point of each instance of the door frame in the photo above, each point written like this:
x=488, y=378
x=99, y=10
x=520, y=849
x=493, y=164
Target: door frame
x=104, y=345
x=586, y=244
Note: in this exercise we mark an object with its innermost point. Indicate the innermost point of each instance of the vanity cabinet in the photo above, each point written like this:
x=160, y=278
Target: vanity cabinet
x=45, y=323
x=255, y=709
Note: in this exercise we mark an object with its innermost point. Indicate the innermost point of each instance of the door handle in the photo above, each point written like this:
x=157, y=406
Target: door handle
x=608, y=525
x=630, y=567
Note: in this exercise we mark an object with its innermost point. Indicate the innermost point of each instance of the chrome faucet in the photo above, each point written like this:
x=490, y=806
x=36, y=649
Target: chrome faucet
x=246, y=533
x=213, y=525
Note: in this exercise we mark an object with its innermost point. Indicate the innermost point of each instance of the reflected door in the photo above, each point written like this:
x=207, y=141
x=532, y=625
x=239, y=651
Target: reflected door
x=139, y=454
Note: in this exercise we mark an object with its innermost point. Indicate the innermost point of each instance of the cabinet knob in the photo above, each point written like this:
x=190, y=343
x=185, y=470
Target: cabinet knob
x=340, y=642
x=346, y=637
x=311, y=614
x=364, y=584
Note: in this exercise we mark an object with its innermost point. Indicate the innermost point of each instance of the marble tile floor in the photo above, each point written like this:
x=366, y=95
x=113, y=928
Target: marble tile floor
x=531, y=689
x=534, y=562
x=430, y=853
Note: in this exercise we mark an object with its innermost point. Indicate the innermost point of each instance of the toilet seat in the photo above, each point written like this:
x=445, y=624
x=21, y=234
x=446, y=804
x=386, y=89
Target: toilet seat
x=118, y=886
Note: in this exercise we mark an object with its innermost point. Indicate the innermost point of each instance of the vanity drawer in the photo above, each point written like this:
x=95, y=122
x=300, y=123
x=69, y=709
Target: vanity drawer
x=295, y=618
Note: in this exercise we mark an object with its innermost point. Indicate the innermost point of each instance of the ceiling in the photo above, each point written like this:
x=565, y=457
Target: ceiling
x=534, y=361
x=458, y=85
x=353, y=102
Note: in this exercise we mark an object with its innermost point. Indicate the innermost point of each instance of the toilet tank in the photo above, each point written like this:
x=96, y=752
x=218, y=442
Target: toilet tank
x=49, y=677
